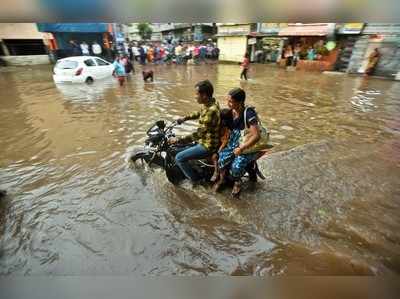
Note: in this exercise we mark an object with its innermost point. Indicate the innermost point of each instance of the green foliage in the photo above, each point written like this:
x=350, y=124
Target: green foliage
x=145, y=30
x=322, y=50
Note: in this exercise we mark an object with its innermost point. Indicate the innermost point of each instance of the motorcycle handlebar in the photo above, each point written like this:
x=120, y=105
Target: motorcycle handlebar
x=172, y=125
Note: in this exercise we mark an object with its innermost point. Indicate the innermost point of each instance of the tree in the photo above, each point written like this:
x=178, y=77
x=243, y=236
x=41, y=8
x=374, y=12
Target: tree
x=145, y=30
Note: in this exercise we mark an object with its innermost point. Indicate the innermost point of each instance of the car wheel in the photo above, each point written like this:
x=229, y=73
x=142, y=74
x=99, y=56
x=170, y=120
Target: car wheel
x=89, y=80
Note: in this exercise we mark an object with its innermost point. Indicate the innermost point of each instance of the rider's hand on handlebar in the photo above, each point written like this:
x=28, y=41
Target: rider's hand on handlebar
x=180, y=121
x=237, y=151
x=172, y=140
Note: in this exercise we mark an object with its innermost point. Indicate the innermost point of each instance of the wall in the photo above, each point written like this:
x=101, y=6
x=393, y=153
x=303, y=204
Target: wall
x=326, y=64
x=26, y=60
x=232, y=48
x=19, y=31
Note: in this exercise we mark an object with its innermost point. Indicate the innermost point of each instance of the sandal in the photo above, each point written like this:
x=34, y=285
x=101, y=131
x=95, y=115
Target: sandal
x=236, y=189
x=217, y=186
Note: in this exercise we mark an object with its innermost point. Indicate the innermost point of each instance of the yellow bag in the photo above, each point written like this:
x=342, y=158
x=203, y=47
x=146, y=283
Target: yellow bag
x=262, y=143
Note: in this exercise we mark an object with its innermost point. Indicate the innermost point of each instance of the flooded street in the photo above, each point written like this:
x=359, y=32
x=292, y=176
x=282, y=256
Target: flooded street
x=75, y=206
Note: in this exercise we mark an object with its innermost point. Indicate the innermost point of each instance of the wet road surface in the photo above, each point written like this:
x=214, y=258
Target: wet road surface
x=329, y=204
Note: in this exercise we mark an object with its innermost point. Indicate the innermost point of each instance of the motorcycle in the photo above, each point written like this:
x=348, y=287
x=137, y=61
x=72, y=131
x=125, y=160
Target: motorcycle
x=158, y=151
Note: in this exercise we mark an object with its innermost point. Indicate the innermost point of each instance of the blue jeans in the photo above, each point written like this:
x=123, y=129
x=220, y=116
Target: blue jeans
x=182, y=160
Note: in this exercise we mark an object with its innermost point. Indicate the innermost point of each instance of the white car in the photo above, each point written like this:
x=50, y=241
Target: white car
x=79, y=69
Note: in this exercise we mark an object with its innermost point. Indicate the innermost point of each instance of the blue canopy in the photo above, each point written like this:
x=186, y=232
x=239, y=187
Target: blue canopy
x=72, y=27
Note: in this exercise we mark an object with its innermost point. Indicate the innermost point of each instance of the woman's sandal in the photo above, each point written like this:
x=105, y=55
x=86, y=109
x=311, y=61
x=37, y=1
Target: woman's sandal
x=217, y=186
x=215, y=176
x=236, y=189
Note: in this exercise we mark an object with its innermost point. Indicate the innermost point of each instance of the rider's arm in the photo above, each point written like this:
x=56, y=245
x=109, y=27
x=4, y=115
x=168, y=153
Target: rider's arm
x=224, y=139
x=253, y=137
x=208, y=122
x=194, y=115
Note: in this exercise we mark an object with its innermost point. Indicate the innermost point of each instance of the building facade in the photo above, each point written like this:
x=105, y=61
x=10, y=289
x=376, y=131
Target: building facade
x=23, y=44
x=347, y=34
x=345, y=47
x=386, y=38
x=131, y=32
x=232, y=40
x=187, y=32
x=64, y=33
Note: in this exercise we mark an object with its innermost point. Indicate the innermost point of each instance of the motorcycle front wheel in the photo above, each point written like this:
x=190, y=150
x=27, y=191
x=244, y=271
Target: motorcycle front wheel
x=148, y=157
x=172, y=171
x=174, y=174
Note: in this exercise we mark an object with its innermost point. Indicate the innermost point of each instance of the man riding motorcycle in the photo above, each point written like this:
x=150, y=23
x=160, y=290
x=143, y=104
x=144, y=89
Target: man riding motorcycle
x=206, y=135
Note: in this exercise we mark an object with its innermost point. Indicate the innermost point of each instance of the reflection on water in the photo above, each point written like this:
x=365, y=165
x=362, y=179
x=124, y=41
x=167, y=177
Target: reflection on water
x=328, y=205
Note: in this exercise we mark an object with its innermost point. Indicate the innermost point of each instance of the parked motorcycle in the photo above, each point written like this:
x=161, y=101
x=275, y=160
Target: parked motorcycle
x=158, y=152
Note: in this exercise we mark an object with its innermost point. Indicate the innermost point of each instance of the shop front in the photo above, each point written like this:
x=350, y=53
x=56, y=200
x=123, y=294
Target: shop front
x=309, y=46
x=385, y=37
x=232, y=48
x=347, y=34
x=388, y=64
x=78, y=32
x=267, y=47
x=232, y=41
x=264, y=49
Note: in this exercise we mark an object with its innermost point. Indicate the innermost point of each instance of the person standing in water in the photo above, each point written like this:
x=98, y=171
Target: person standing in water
x=119, y=71
x=96, y=49
x=85, y=48
x=372, y=62
x=245, y=66
x=75, y=48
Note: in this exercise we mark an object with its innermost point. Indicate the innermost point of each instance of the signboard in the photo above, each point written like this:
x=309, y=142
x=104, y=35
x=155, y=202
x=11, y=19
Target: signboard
x=238, y=29
x=252, y=41
x=198, y=35
x=309, y=29
x=47, y=35
x=350, y=28
x=120, y=37
x=272, y=28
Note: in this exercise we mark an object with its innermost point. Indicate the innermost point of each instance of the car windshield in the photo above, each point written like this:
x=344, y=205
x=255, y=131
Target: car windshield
x=67, y=64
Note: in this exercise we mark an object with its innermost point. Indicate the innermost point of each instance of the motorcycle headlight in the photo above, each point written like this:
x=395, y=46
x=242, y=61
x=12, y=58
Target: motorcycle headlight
x=160, y=124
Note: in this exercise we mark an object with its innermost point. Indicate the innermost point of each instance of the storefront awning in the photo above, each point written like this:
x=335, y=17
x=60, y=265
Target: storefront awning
x=318, y=29
x=231, y=34
x=73, y=27
x=350, y=28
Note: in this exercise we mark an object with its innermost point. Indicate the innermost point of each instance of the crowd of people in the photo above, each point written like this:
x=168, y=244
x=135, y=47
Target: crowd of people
x=180, y=53
x=84, y=48
x=157, y=53
x=293, y=53
x=146, y=54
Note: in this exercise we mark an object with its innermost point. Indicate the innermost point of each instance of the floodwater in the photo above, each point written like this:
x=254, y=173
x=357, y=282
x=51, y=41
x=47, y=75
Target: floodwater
x=75, y=206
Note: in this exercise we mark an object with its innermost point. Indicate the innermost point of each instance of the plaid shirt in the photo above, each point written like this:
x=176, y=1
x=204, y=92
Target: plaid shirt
x=207, y=133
